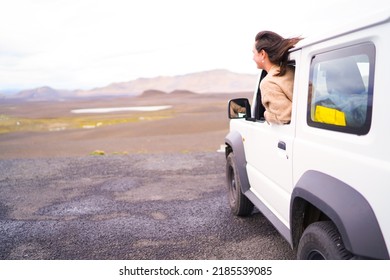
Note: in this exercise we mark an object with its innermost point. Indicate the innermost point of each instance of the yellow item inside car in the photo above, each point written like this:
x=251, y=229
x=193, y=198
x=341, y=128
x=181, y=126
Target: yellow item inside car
x=329, y=116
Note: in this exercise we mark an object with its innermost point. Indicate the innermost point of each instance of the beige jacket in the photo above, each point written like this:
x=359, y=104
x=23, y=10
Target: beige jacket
x=276, y=95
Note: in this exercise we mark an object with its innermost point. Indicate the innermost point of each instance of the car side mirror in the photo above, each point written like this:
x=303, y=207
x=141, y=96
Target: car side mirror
x=239, y=108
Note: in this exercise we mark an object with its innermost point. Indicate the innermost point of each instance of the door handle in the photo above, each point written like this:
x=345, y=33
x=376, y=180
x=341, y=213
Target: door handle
x=282, y=145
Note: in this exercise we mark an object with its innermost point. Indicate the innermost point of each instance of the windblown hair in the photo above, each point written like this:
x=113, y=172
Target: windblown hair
x=276, y=47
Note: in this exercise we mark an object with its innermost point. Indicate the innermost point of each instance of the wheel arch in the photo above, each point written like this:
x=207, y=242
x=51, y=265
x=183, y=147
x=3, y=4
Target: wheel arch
x=347, y=208
x=234, y=144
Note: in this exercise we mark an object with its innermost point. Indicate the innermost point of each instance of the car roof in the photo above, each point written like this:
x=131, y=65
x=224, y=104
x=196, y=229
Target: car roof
x=362, y=23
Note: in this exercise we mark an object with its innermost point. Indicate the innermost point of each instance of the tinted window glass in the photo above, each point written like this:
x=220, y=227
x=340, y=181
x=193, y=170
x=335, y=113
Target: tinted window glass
x=341, y=88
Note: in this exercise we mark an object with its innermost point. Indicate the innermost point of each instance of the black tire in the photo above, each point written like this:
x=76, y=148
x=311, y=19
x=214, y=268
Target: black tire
x=322, y=241
x=240, y=205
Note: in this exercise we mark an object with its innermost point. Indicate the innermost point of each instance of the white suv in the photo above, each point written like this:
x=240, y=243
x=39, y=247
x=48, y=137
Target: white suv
x=324, y=179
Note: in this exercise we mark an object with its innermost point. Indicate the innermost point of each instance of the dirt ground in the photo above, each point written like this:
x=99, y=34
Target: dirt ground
x=134, y=207
x=196, y=122
x=166, y=199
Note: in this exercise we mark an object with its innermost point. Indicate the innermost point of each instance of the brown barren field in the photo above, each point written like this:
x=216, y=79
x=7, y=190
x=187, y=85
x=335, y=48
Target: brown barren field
x=195, y=122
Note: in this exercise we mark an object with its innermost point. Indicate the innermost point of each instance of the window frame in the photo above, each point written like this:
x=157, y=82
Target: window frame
x=367, y=48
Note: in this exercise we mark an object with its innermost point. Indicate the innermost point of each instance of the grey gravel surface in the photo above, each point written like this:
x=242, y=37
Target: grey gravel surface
x=138, y=207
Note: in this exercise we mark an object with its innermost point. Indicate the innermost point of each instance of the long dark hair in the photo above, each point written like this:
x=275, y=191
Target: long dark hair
x=276, y=47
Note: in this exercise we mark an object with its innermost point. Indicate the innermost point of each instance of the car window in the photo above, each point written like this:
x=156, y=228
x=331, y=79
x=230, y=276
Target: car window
x=341, y=88
x=259, y=107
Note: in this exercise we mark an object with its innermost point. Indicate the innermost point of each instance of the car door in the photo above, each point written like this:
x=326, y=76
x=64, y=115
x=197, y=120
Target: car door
x=268, y=150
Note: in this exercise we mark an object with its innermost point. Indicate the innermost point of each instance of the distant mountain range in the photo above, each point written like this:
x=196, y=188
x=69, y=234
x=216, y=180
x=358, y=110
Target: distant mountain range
x=214, y=81
x=43, y=93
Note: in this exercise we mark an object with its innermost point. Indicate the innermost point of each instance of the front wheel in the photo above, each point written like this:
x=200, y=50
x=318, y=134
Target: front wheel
x=322, y=241
x=240, y=205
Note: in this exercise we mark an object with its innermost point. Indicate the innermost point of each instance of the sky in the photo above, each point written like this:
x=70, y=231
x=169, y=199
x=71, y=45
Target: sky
x=84, y=44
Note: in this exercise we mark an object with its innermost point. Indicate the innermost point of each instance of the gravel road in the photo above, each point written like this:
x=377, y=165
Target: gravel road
x=138, y=207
